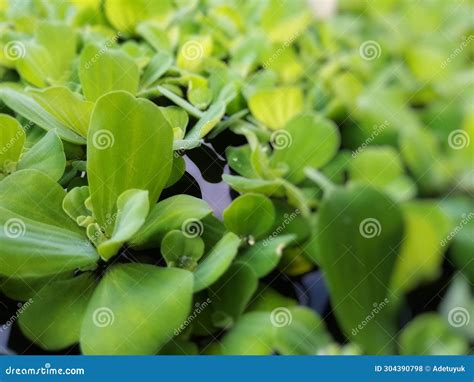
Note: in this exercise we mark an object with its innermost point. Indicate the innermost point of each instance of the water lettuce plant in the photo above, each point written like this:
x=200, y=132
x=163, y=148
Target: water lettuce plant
x=197, y=177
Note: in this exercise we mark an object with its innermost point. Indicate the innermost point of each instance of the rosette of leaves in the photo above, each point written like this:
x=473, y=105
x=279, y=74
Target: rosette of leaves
x=57, y=241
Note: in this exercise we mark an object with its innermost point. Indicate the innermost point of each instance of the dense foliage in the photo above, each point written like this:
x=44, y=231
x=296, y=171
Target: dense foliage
x=348, y=140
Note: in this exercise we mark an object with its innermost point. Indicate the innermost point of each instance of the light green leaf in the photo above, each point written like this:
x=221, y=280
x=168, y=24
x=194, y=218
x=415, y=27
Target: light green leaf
x=265, y=255
x=48, y=58
x=153, y=33
x=243, y=185
x=74, y=204
x=46, y=156
x=381, y=167
x=135, y=309
x=169, y=214
x=104, y=70
x=66, y=106
x=125, y=15
x=41, y=240
x=275, y=107
x=299, y=331
x=457, y=306
x=250, y=215
x=428, y=334
x=297, y=151
x=253, y=334
x=129, y=146
x=12, y=139
x=176, y=117
x=132, y=210
x=421, y=253
x=158, y=66
x=216, y=262
x=182, y=250
x=238, y=159
x=53, y=319
x=208, y=121
x=25, y=105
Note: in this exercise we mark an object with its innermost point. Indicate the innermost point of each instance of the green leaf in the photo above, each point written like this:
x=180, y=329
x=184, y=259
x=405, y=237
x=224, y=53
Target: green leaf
x=428, y=334
x=354, y=228
x=381, y=167
x=231, y=294
x=265, y=255
x=216, y=262
x=250, y=215
x=457, y=306
x=285, y=21
x=293, y=148
x=182, y=250
x=252, y=335
x=74, y=204
x=125, y=15
x=177, y=171
x=275, y=107
x=176, y=117
x=169, y=214
x=159, y=65
x=132, y=210
x=208, y=121
x=238, y=159
x=243, y=185
x=41, y=240
x=136, y=309
x=48, y=58
x=129, y=146
x=12, y=139
x=104, y=70
x=267, y=299
x=46, y=156
x=153, y=33
x=298, y=331
x=25, y=105
x=65, y=106
x=421, y=253
x=54, y=318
